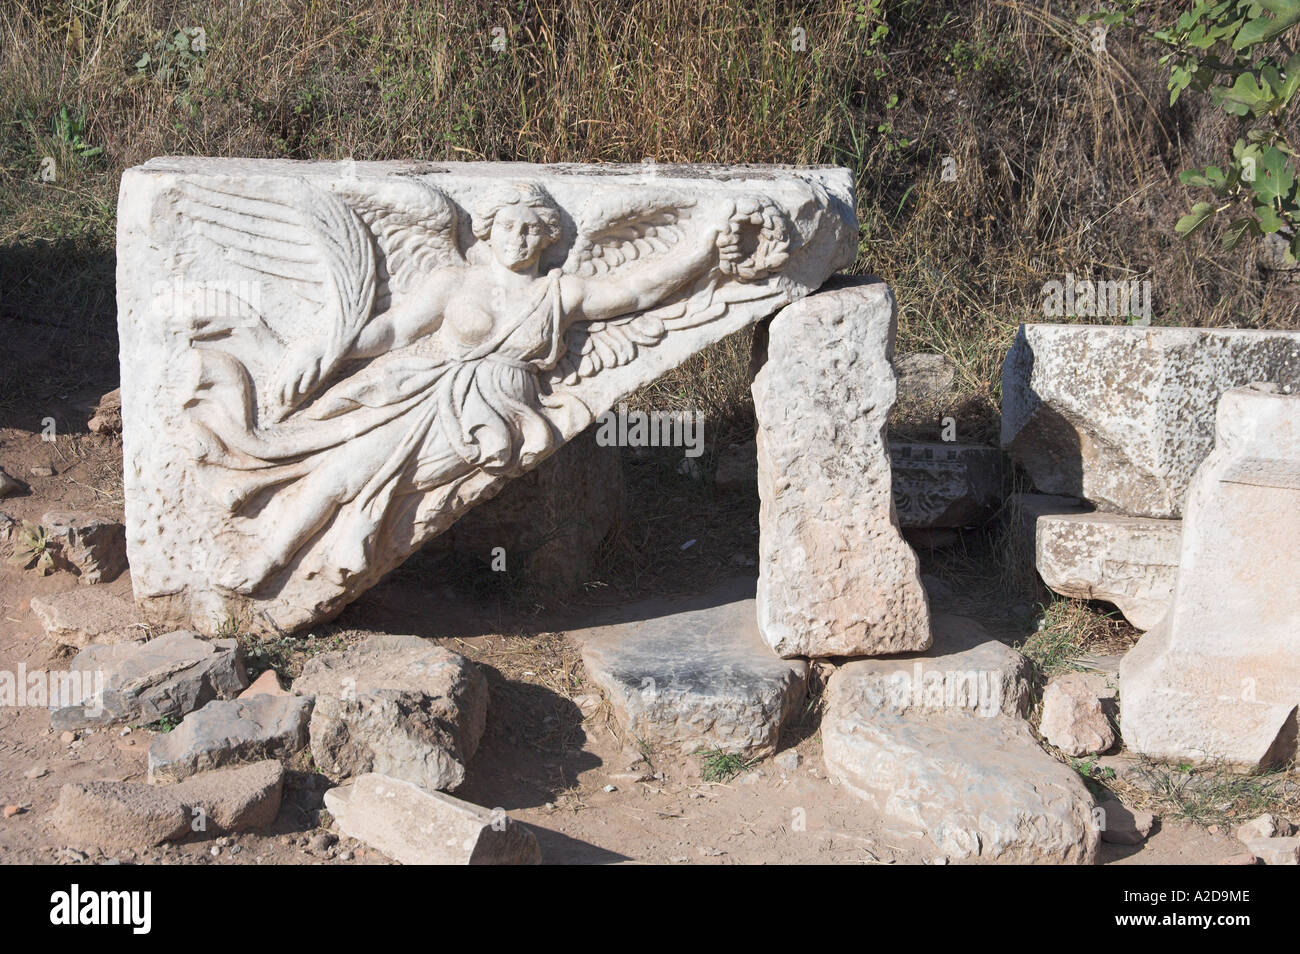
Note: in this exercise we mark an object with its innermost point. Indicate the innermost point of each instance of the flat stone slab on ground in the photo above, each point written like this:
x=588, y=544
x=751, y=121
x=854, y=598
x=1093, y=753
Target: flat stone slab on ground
x=835, y=576
x=938, y=485
x=419, y=827
x=396, y=705
x=84, y=617
x=229, y=732
x=138, y=815
x=1128, y=561
x=166, y=677
x=937, y=744
x=1122, y=416
x=692, y=676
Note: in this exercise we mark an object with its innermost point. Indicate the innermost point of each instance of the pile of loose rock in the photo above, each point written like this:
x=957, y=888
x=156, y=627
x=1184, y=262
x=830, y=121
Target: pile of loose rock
x=392, y=718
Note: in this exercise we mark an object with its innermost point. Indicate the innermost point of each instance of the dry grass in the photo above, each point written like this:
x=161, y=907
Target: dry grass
x=1065, y=158
x=1070, y=629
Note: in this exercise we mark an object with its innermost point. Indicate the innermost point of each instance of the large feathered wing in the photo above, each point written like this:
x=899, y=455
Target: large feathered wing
x=305, y=244
x=415, y=226
x=612, y=237
x=633, y=233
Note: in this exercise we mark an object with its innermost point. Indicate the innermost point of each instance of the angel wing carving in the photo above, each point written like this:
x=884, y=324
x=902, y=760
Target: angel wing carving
x=639, y=229
x=342, y=256
x=415, y=226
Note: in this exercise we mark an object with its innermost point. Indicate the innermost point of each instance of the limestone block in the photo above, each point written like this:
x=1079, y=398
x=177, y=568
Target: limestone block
x=836, y=577
x=397, y=705
x=417, y=827
x=164, y=678
x=695, y=677
x=1218, y=678
x=938, y=744
x=325, y=364
x=1122, y=416
x=1128, y=561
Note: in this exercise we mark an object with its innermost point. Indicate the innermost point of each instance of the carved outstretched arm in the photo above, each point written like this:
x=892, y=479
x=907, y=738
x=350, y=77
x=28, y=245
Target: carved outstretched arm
x=419, y=314
x=637, y=289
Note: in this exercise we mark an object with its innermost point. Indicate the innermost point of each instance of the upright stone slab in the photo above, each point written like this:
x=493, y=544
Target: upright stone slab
x=1129, y=561
x=1122, y=416
x=325, y=364
x=1218, y=679
x=836, y=577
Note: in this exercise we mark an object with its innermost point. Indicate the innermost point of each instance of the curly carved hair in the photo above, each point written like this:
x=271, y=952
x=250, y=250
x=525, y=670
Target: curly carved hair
x=519, y=193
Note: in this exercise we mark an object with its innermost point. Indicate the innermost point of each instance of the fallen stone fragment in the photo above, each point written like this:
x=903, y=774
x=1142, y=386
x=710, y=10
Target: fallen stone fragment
x=967, y=671
x=319, y=444
x=941, y=485
x=418, y=827
x=1074, y=719
x=136, y=815
x=695, y=675
x=166, y=677
x=737, y=467
x=267, y=684
x=936, y=744
x=1245, y=858
x=397, y=705
x=107, y=418
x=8, y=528
x=1129, y=561
x=836, y=577
x=1276, y=851
x=923, y=376
x=1218, y=678
x=231, y=732
x=87, y=617
x=1121, y=825
x=91, y=546
x=10, y=485
x=1267, y=825
x=12, y=810
x=1122, y=416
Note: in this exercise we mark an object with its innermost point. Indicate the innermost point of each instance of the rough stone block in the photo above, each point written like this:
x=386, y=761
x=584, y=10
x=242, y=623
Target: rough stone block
x=1122, y=416
x=836, y=577
x=1218, y=678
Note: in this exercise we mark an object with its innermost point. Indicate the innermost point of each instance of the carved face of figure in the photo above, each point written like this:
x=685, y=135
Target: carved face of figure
x=519, y=236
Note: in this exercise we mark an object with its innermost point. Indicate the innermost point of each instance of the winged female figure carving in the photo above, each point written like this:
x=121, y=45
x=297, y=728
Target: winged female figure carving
x=427, y=344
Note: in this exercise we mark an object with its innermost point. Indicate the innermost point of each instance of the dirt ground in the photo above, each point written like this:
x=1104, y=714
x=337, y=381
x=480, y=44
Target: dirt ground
x=550, y=756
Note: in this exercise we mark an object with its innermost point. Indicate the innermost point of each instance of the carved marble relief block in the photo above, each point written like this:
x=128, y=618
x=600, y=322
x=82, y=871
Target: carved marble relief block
x=325, y=364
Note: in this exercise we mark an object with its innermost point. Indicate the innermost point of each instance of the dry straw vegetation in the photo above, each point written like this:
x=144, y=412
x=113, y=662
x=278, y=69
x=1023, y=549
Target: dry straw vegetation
x=1065, y=158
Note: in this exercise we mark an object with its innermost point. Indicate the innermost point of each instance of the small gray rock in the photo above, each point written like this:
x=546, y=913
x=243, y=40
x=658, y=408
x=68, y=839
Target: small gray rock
x=230, y=732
